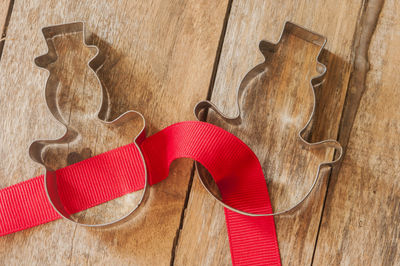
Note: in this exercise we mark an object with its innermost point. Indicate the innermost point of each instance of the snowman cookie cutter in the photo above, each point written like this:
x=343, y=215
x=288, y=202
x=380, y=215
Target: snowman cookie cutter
x=271, y=48
x=39, y=148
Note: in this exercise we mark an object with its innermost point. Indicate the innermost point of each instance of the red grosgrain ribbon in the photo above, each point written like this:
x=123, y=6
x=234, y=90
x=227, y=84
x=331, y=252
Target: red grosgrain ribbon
x=234, y=167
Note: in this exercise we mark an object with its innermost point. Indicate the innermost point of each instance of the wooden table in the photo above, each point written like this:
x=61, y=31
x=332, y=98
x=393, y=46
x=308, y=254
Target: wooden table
x=162, y=58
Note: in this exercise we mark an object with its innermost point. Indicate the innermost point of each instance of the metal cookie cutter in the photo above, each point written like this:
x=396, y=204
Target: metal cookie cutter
x=308, y=36
x=38, y=147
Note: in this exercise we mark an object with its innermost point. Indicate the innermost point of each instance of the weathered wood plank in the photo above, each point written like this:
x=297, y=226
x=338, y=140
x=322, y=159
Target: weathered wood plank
x=4, y=12
x=361, y=221
x=4, y=6
x=250, y=22
x=160, y=56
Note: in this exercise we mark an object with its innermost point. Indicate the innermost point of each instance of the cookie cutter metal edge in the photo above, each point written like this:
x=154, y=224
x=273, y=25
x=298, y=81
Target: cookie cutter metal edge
x=315, y=81
x=37, y=146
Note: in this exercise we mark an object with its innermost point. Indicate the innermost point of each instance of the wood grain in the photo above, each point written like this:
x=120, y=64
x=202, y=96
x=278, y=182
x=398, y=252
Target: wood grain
x=250, y=22
x=361, y=222
x=5, y=6
x=159, y=60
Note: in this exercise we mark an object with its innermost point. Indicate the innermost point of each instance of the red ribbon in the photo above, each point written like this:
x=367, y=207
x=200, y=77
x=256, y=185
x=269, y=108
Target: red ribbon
x=234, y=167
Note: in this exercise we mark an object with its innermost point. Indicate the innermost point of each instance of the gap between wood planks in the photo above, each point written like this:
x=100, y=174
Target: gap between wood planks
x=366, y=24
x=6, y=22
x=203, y=118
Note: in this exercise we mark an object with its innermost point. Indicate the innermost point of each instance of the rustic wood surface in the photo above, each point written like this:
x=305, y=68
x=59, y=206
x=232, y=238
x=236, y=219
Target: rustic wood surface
x=4, y=12
x=161, y=58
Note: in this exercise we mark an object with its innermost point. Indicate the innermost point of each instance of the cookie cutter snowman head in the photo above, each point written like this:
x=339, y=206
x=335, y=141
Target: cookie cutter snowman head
x=38, y=147
x=270, y=48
